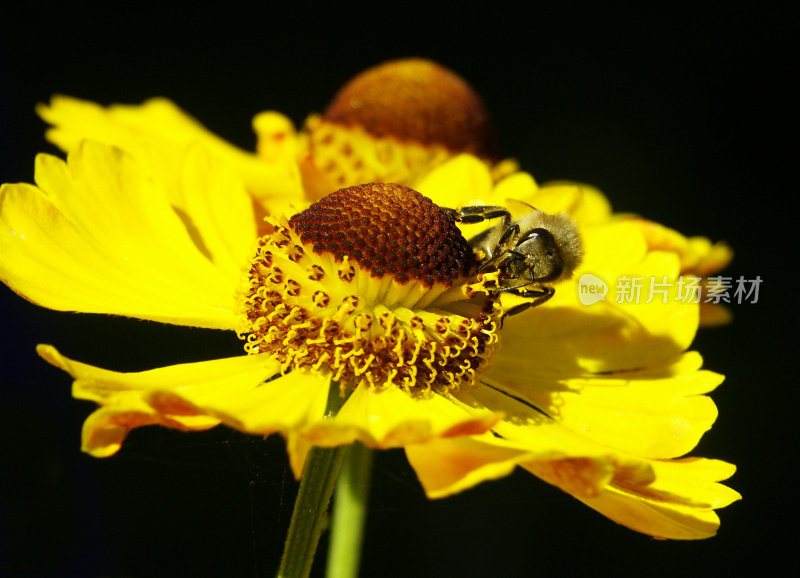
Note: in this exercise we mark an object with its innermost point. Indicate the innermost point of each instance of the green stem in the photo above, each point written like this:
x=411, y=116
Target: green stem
x=310, y=511
x=349, y=513
x=311, y=506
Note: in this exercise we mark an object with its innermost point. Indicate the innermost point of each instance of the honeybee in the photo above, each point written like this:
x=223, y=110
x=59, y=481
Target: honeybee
x=531, y=252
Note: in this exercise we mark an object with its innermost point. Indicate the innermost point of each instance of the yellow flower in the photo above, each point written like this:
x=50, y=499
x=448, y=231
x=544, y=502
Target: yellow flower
x=600, y=401
x=394, y=122
x=154, y=217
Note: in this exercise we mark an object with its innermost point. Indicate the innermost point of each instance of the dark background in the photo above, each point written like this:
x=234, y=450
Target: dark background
x=680, y=115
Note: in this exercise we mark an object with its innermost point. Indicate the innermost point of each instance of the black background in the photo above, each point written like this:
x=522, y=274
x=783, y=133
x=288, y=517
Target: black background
x=682, y=115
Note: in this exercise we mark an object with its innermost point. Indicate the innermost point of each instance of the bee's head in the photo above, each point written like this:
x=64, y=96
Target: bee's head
x=551, y=250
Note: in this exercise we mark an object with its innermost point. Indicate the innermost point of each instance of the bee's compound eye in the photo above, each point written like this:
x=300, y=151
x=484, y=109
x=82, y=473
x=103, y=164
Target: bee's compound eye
x=537, y=241
x=537, y=235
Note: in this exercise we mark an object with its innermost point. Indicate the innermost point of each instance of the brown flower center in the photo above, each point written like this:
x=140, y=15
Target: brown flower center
x=416, y=100
x=387, y=229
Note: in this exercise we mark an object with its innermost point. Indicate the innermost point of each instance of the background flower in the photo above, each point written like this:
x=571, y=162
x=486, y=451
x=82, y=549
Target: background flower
x=676, y=116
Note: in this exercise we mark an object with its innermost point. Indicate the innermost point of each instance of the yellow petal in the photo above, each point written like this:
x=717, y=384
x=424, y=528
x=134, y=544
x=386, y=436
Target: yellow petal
x=659, y=308
x=297, y=447
x=567, y=341
x=186, y=396
x=106, y=428
x=202, y=382
x=710, y=258
x=450, y=465
x=291, y=403
x=446, y=466
x=237, y=392
x=700, y=475
x=612, y=248
x=531, y=429
x=667, y=499
x=697, y=254
x=461, y=180
x=392, y=418
x=658, y=520
x=519, y=192
x=277, y=137
x=97, y=236
x=663, y=405
x=218, y=212
x=714, y=315
x=243, y=392
x=686, y=512
x=156, y=133
x=584, y=203
x=517, y=187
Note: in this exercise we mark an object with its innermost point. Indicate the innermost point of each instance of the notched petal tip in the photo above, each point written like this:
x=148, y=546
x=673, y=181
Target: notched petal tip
x=98, y=235
x=52, y=356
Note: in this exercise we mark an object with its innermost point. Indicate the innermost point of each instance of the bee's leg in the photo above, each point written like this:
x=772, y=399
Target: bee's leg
x=516, y=310
x=504, y=250
x=493, y=262
x=508, y=240
x=451, y=212
x=478, y=213
x=505, y=256
x=537, y=296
